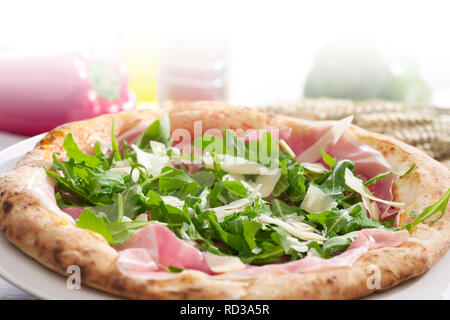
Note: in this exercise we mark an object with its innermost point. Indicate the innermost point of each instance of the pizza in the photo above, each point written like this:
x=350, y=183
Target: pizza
x=212, y=201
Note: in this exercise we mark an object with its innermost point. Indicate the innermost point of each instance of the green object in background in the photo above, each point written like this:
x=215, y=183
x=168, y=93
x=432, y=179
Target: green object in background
x=356, y=70
x=405, y=82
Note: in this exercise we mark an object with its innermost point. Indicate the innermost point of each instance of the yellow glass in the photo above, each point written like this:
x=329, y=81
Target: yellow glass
x=139, y=52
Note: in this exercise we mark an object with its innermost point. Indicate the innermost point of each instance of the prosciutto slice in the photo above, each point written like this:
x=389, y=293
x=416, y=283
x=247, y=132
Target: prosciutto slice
x=163, y=247
x=329, y=138
x=74, y=212
x=138, y=263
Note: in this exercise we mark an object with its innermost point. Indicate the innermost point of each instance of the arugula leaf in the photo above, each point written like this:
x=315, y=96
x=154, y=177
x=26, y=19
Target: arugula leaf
x=203, y=243
x=288, y=150
x=173, y=180
x=122, y=231
x=234, y=241
x=245, y=228
x=204, y=178
x=429, y=211
x=383, y=175
x=173, y=269
x=114, y=232
x=408, y=171
x=334, y=185
x=130, y=204
x=104, y=181
x=335, y=221
x=329, y=160
x=74, y=180
x=115, y=145
x=213, y=198
x=105, y=162
x=89, y=220
x=236, y=187
x=342, y=221
x=333, y=246
x=65, y=202
x=74, y=152
x=280, y=208
x=316, y=246
x=297, y=184
x=164, y=212
x=157, y=131
x=359, y=214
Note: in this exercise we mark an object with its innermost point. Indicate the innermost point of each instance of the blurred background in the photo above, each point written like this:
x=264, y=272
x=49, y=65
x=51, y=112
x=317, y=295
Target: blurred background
x=387, y=62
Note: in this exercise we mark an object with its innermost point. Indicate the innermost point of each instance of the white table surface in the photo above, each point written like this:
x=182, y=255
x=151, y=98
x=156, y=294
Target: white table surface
x=7, y=290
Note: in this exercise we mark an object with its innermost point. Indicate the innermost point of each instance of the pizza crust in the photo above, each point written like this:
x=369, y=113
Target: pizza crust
x=57, y=243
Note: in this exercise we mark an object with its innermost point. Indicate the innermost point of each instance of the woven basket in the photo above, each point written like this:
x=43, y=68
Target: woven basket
x=425, y=127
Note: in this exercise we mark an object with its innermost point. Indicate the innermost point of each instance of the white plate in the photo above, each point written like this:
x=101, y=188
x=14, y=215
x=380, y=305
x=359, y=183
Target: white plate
x=32, y=277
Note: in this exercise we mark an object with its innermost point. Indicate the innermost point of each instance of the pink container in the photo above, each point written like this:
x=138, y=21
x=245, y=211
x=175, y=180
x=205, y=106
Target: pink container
x=40, y=92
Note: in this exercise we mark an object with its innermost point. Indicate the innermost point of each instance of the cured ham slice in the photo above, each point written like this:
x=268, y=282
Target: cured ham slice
x=74, y=212
x=379, y=238
x=131, y=136
x=329, y=138
x=137, y=263
x=165, y=249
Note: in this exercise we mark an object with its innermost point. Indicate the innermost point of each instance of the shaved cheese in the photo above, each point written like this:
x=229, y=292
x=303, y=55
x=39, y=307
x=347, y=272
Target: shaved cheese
x=297, y=245
x=299, y=230
x=331, y=137
x=312, y=252
x=317, y=201
x=124, y=171
x=372, y=208
x=293, y=217
x=124, y=168
x=314, y=167
x=351, y=235
x=267, y=182
x=357, y=185
x=126, y=219
x=221, y=264
x=235, y=206
x=175, y=151
x=122, y=164
x=152, y=162
x=173, y=201
x=141, y=217
x=158, y=148
x=238, y=165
